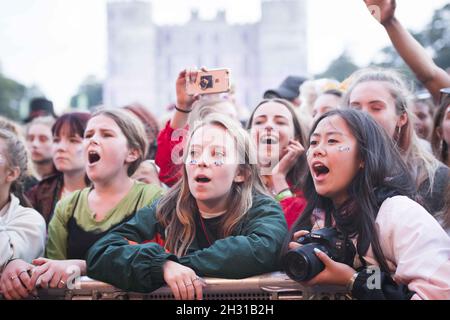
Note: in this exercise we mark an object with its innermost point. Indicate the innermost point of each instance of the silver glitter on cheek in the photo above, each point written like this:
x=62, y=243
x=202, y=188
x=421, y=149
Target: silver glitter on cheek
x=218, y=163
x=344, y=149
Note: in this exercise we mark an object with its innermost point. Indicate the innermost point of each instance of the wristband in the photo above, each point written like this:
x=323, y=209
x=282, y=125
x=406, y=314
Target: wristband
x=286, y=193
x=182, y=111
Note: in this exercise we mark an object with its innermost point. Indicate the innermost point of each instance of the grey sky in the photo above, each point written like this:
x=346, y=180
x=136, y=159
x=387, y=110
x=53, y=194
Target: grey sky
x=57, y=43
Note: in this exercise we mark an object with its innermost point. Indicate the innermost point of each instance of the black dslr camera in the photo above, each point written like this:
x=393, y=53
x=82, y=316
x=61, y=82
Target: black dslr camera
x=302, y=264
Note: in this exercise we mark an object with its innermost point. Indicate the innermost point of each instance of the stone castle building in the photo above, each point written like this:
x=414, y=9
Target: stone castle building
x=144, y=59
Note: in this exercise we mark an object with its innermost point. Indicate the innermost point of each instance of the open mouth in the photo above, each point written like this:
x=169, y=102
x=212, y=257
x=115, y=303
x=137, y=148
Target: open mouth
x=320, y=170
x=202, y=179
x=93, y=157
x=269, y=140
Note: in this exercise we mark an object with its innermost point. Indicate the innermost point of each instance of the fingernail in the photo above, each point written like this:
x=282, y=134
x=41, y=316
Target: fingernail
x=316, y=250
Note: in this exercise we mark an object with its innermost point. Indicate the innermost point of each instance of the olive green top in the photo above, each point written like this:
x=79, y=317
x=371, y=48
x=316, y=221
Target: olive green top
x=140, y=195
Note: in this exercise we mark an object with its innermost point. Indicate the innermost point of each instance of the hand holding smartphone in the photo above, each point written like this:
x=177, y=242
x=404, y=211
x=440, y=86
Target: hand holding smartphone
x=209, y=82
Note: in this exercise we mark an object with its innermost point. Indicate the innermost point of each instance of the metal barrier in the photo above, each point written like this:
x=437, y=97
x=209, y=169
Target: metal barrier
x=274, y=286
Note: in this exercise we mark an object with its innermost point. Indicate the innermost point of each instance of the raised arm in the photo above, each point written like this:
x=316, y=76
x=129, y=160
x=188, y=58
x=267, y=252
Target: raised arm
x=412, y=52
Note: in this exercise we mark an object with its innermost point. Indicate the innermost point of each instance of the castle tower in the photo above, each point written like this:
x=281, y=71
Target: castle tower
x=131, y=54
x=282, y=41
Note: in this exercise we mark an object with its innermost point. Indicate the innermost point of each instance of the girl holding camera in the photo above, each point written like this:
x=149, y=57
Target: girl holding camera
x=216, y=221
x=359, y=184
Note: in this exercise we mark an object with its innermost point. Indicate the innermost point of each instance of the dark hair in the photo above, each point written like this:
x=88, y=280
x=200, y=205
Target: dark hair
x=384, y=175
x=151, y=127
x=76, y=122
x=440, y=146
x=297, y=173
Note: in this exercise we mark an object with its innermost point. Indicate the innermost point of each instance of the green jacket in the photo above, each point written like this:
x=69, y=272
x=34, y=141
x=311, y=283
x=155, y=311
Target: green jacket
x=253, y=249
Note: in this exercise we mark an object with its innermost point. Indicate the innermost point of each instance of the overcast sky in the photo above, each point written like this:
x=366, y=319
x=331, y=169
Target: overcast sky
x=55, y=44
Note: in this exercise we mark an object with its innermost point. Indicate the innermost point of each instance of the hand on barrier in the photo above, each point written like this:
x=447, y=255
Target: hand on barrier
x=15, y=282
x=183, y=281
x=54, y=273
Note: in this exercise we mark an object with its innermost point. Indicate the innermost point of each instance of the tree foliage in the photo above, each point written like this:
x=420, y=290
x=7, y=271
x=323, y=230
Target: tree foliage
x=90, y=94
x=12, y=94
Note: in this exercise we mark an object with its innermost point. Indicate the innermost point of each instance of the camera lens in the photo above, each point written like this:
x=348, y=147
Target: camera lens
x=296, y=266
x=206, y=82
x=302, y=264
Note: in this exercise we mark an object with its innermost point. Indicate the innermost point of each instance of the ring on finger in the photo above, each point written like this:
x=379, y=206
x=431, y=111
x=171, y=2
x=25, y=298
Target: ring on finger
x=23, y=271
x=62, y=282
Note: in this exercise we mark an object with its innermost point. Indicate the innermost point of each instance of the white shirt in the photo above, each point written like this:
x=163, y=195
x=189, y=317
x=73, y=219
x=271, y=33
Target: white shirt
x=415, y=246
x=22, y=232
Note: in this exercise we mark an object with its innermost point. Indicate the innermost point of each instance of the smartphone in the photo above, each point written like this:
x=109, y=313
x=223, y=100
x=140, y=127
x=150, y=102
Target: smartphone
x=210, y=82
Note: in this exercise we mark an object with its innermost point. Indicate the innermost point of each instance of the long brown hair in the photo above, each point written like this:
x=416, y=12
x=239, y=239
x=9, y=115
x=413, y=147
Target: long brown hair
x=298, y=172
x=176, y=209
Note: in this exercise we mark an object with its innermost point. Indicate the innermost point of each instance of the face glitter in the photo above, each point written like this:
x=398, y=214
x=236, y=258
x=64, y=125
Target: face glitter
x=344, y=149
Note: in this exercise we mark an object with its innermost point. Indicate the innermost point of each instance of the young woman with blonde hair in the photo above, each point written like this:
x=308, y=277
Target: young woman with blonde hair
x=216, y=221
x=384, y=95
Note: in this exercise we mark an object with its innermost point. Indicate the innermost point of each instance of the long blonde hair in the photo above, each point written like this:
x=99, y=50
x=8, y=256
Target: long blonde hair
x=422, y=164
x=176, y=209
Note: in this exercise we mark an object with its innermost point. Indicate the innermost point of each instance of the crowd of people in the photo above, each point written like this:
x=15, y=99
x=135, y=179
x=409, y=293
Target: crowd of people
x=119, y=197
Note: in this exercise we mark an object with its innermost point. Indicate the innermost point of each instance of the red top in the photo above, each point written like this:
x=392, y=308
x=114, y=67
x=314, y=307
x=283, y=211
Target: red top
x=293, y=207
x=172, y=141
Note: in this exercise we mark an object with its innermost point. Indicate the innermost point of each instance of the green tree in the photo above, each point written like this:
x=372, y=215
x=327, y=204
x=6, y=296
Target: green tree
x=435, y=38
x=90, y=94
x=12, y=94
x=340, y=68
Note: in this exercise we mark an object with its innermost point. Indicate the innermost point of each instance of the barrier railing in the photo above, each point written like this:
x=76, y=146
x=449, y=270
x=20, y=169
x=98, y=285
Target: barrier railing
x=274, y=286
